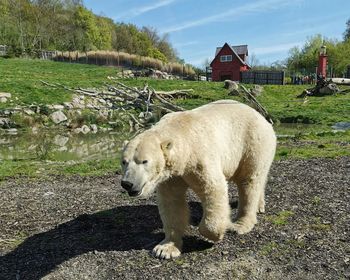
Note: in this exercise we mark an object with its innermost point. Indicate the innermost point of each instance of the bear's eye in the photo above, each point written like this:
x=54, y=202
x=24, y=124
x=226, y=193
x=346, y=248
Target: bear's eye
x=145, y=161
x=124, y=162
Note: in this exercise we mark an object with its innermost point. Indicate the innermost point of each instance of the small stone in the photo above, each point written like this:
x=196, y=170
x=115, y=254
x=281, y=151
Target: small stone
x=5, y=94
x=3, y=99
x=28, y=112
x=4, y=122
x=58, y=117
x=85, y=129
x=67, y=105
x=94, y=128
x=58, y=107
x=60, y=140
x=12, y=131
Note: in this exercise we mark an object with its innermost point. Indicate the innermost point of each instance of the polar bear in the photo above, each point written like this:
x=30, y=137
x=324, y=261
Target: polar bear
x=202, y=149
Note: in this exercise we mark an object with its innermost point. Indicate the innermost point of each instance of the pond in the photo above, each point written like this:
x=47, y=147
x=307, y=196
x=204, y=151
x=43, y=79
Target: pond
x=61, y=145
x=65, y=146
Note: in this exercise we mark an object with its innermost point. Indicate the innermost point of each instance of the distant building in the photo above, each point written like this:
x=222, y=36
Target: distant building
x=229, y=61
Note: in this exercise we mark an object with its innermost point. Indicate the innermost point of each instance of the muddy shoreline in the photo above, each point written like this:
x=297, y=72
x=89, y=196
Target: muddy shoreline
x=88, y=228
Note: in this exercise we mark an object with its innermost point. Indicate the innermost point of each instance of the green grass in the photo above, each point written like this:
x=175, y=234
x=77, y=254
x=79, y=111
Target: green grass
x=315, y=144
x=281, y=219
x=35, y=169
x=21, y=77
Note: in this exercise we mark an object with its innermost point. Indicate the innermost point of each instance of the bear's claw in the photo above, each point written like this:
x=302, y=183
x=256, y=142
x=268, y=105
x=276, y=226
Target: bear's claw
x=166, y=251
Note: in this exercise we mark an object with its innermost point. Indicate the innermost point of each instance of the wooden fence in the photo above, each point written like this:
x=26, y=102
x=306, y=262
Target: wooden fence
x=263, y=77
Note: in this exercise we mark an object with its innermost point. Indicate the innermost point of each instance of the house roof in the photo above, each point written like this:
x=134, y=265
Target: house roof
x=241, y=49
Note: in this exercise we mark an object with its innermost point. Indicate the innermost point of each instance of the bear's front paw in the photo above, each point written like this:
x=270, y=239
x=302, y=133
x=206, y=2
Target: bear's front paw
x=166, y=250
x=241, y=228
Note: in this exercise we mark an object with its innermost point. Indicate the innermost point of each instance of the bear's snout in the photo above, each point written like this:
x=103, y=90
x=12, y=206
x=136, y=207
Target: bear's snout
x=129, y=188
x=127, y=185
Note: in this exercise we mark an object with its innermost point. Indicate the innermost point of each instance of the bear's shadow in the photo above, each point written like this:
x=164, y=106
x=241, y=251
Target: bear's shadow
x=119, y=229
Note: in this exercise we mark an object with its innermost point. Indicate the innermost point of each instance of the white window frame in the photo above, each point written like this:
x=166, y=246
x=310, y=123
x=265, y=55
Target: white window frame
x=226, y=58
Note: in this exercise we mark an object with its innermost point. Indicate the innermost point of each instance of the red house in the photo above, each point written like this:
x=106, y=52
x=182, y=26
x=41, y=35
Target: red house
x=229, y=61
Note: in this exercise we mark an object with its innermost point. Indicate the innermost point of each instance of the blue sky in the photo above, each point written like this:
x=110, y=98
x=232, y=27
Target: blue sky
x=196, y=27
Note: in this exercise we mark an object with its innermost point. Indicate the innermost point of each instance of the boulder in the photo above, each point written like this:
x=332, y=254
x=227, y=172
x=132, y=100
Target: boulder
x=230, y=85
x=58, y=117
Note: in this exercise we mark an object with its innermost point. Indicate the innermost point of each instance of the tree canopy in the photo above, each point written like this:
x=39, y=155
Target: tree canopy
x=67, y=25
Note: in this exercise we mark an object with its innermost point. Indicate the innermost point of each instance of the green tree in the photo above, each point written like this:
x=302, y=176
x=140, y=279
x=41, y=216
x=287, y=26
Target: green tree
x=347, y=31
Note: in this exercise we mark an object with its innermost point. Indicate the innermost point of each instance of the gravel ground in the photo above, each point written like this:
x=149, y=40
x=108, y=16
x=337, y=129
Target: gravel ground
x=88, y=228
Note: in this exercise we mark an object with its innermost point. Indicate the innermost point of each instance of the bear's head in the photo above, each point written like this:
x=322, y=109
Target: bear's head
x=144, y=165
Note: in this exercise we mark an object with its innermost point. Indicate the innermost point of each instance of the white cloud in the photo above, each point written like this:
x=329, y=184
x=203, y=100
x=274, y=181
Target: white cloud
x=260, y=6
x=144, y=9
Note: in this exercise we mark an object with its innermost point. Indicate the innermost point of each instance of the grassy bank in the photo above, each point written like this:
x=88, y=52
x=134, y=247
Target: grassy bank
x=22, y=77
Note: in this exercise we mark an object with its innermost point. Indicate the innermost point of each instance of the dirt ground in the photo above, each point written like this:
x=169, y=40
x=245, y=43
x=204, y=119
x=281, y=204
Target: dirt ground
x=88, y=228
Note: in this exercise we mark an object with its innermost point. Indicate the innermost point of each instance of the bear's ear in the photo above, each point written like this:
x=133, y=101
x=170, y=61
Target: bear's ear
x=125, y=143
x=166, y=145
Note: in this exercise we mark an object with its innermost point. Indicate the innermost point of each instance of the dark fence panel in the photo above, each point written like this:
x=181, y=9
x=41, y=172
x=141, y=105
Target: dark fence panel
x=348, y=72
x=263, y=77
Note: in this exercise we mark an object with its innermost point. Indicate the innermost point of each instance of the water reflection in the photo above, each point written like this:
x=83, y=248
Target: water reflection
x=60, y=145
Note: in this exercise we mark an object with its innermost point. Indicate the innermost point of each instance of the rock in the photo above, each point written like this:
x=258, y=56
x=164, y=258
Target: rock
x=256, y=90
x=77, y=130
x=35, y=130
x=60, y=140
x=3, y=99
x=28, y=112
x=4, y=122
x=329, y=89
x=85, y=129
x=68, y=105
x=78, y=103
x=57, y=107
x=101, y=100
x=58, y=117
x=94, y=128
x=230, y=85
x=12, y=131
x=5, y=95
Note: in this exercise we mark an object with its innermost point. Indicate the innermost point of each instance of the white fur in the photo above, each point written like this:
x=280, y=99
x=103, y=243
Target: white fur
x=203, y=149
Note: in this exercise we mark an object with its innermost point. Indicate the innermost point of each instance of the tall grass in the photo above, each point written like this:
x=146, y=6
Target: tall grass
x=113, y=58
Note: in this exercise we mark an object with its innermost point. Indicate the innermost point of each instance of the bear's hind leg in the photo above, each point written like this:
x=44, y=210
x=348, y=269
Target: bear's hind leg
x=251, y=193
x=174, y=212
